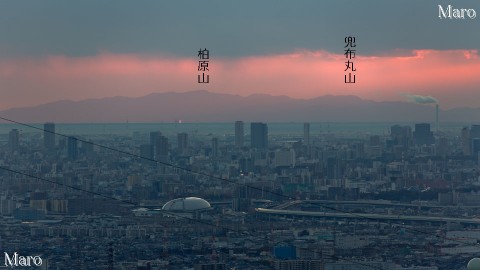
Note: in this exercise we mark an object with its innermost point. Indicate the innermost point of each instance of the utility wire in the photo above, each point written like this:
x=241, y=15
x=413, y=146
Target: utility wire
x=220, y=179
x=164, y=211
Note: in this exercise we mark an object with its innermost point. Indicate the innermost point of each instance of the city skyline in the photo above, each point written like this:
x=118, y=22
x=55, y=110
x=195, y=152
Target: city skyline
x=327, y=161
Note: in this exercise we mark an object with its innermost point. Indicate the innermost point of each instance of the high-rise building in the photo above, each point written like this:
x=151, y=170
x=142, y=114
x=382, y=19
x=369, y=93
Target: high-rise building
x=49, y=135
x=62, y=143
x=239, y=134
x=474, y=134
x=13, y=139
x=401, y=135
x=306, y=133
x=423, y=135
x=259, y=135
x=146, y=151
x=72, y=147
x=214, y=147
x=475, y=146
x=161, y=149
x=182, y=140
x=476, y=149
x=154, y=135
x=475, y=131
x=375, y=147
x=466, y=141
x=468, y=137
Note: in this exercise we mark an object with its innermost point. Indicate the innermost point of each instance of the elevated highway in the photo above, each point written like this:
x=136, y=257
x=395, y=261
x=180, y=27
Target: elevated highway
x=371, y=217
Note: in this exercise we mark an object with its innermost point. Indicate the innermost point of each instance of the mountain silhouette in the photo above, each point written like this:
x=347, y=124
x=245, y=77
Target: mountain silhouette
x=204, y=106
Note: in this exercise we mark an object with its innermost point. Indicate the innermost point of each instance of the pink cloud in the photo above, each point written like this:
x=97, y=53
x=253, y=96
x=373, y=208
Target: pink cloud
x=451, y=76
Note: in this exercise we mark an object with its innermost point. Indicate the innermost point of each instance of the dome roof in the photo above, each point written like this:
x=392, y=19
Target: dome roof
x=474, y=264
x=186, y=204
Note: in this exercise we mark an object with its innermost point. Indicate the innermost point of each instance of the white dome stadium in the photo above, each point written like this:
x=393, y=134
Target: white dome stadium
x=474, y=264
x=188, y=204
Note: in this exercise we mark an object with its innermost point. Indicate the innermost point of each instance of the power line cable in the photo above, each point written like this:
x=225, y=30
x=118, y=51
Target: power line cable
x=164, y=211
x=212, y=176
x=220, y=178
x=149, y=159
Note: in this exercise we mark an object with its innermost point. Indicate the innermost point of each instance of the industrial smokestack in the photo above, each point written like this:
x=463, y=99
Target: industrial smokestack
x=426, y=100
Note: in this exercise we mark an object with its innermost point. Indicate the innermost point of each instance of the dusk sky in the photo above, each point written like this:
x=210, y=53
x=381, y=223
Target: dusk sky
x=55, y=50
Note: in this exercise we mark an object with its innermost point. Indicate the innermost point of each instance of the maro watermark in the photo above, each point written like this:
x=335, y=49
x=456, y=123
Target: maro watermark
x=17, y=260
x=450, y=12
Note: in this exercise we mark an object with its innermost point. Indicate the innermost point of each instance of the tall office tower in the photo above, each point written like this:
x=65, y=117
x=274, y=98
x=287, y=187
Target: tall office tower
x=62, y=143
x=239, y=134
x=182, y=140
x=214, y=147
x=161, y=147
x=474, y=139
x=475, y=131
x=146, y=151
x=49, y=135
x=306, y=133
x=476, y=147
x=474, y=134
x=154, y=135
x=13, y=139
x=375, y=146
x=401, y=135
x=259, y=135
x=466, y=141
x=72, y=147
x=423, y=135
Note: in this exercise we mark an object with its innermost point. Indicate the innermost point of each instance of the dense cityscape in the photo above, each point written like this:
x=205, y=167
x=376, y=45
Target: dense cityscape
x=239, y=135
x=246, y=199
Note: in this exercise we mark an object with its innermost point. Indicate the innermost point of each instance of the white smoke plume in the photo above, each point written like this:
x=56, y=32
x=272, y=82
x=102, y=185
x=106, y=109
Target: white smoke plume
x=421, y=99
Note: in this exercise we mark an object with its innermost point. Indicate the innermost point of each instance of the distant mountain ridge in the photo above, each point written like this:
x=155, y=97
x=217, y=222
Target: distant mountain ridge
x=204, y=106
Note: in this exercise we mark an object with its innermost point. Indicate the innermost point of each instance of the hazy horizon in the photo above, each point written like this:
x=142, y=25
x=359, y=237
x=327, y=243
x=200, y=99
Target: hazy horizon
x=406, y=99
